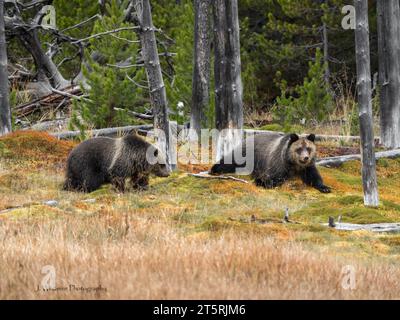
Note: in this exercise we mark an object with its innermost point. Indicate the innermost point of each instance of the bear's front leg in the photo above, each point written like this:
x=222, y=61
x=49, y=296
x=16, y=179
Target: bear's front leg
x=119, y=183
x=311, y=177
x=140, y=181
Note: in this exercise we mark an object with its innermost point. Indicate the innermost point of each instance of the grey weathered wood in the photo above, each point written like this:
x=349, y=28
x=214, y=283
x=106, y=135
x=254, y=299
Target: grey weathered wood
x=339, y=160
x=374, y=227
x=206, y=175
x=102, y=132
x=365, y=104
x=327, y=73
x=388, y=18
x=5, y=112
x=46, y=68
x=158, y=95
x=318, y=137
x=220, y=61
x=49, y=125
x=136, y=114
x=201, y=69
x=227, y=65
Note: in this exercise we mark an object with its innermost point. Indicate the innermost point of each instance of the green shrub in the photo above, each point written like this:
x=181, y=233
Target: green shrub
x=109, y=86
x=309, y=102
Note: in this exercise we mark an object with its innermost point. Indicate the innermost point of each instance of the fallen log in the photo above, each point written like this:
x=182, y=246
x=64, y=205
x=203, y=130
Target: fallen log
x=206, y=175
x=48, y=125
x=318, y=137
x=339, y=160
x=136, y=114
x=373, y=227
x=106, y=132
x=50, y=100
x=69, y=94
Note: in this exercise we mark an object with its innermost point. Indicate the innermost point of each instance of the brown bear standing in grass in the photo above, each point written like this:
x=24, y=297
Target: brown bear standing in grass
x=278, y=157
x=105, y=160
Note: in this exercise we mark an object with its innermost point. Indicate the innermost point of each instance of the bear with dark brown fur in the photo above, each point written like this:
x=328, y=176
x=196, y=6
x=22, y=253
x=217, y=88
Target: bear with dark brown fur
x=278, y=157
x=101, y=160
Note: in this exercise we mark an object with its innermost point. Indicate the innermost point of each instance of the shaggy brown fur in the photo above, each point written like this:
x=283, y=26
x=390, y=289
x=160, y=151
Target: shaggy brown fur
x=279, y=157
x=103, y=160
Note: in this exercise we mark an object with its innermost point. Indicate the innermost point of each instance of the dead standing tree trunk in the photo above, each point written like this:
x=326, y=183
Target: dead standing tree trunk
x=228, y=83
x=327, y=73
x=48, y=74
x=201, y=70
x=5, y=113
x=389, y=71
x=365, y=104
x=158, y=95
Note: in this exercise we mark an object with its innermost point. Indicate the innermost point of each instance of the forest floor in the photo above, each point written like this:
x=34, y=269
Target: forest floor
x=190, y=238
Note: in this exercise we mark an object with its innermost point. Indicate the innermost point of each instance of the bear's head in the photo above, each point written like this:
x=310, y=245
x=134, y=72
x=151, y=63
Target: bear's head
x=302, y=151
x=158, y=163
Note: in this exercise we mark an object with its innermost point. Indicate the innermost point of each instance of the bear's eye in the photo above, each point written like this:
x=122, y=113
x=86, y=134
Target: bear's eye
x=309, y=150
x=298, y=150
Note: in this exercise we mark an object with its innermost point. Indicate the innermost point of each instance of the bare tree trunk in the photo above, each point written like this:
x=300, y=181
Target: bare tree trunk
x=158, y=95
x=201, y=70
x=389, y=71
x=46, y=68
x=5, y=113
x=220, y=25
x=365, y=104
x=327, y=73
x=228, y=83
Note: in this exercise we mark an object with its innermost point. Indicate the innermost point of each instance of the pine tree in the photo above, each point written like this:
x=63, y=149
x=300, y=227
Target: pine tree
x=282, y=35
x=310, y=101
x=108, y=76
x=68, y=14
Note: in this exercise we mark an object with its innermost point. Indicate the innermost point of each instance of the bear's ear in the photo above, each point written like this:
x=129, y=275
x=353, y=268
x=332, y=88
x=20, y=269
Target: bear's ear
x=293, y=137
x=133, y=132
x=311, y=137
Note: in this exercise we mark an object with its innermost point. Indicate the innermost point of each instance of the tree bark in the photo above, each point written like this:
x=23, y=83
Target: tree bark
x=339, y=160
x=389, y=71
x=158, y=95
x=27, y=33
x=105, y=132
x=201, y=70
x=5, y=113
x=327, y=73
x=46, y=68
x=365, y=104
x=227, y=68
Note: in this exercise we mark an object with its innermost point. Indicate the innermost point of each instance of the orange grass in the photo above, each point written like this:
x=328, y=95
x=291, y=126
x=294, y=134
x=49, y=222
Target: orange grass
x=188, y=238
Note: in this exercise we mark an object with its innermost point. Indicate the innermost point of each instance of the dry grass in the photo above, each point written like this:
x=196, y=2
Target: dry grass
x=141, y=258
x=189, y=238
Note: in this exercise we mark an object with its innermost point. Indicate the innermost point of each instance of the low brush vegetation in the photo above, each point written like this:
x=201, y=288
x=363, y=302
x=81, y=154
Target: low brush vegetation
x=187, y=237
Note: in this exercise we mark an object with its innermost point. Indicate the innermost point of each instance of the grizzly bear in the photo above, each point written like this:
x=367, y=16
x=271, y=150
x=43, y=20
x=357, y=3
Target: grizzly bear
x=101, y=160
x=278, y=157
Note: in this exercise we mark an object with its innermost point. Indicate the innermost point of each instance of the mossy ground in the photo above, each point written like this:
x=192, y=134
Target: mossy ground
x=31, y=172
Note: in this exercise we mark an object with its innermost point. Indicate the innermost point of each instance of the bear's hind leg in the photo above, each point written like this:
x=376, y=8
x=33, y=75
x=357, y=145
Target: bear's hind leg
x=269, y=183
x=92, y=181
x=73, y=182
